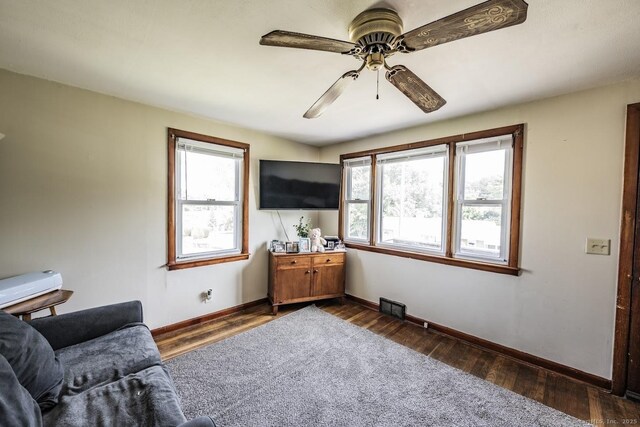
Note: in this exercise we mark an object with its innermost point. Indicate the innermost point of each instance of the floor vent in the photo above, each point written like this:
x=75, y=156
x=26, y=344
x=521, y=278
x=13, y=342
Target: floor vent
x=393, y=308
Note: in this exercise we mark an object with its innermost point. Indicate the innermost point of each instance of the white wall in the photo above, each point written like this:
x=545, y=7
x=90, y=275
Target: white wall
x=562, y=306
x=83, y=190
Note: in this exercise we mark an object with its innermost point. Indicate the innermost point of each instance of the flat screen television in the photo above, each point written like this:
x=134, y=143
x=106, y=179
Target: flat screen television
x=299, y=185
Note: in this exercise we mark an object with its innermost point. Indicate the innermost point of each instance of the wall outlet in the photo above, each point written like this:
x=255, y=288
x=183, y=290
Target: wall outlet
x=207, y=295
x=598, y=246
x=426, y=325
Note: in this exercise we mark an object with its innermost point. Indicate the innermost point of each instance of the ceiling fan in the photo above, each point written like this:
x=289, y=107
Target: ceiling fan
x=376, y=34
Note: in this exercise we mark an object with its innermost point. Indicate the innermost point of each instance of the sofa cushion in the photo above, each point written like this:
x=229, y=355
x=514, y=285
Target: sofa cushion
x=32, y=359
x=17, y=407
x=107, y=358
x=145, y=398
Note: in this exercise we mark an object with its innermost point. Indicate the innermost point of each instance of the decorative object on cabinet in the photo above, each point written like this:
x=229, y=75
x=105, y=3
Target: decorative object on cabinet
x=305, y=244
x=317, y=242
x=292, y=247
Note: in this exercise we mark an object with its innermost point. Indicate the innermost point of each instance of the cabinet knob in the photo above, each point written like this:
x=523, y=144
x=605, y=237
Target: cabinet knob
x=315, y=271
x=294, y=261
x=328, y=259
x=307, y=272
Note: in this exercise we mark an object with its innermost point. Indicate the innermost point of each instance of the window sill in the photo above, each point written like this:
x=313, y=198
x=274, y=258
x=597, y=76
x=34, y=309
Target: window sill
x=207, y=261
x=494, y=268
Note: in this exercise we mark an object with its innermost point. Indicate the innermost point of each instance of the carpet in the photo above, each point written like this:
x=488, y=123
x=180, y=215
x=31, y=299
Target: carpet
x=310, y=368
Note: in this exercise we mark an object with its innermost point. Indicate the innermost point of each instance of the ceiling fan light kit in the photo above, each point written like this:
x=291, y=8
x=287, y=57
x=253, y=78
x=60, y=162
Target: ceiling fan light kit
x=376, y=34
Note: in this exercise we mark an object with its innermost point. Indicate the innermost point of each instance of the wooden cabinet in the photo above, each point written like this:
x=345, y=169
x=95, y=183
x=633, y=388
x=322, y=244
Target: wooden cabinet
x=305, y=277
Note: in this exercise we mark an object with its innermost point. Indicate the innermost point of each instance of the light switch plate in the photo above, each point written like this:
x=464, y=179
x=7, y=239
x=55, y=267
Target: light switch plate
x=598, y=246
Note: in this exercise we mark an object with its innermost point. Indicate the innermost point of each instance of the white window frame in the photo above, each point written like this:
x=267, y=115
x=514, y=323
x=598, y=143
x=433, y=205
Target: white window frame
x=502, y=142
x=183, y=147
x=348, y=201
x=440, y=150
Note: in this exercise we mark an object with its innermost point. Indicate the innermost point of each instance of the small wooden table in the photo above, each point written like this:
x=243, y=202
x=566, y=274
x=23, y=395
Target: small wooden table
x=41, y=302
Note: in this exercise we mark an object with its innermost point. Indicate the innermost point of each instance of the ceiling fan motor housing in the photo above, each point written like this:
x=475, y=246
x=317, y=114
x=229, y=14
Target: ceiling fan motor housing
x=375, y=30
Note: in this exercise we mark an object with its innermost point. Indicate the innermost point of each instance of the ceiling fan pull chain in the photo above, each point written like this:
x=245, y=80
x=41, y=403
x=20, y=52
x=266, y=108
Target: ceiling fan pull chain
x=378, y=84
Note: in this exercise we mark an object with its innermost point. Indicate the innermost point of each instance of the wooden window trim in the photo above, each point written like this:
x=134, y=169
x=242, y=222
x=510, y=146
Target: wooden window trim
x=172, y=262
x=512, y=267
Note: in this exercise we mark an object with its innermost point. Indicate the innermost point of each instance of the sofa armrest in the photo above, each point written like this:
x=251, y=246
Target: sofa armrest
x=199, y=422
x=73, y=328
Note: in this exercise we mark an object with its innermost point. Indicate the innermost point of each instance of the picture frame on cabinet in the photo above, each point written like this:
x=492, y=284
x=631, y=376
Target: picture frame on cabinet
x=305, y=244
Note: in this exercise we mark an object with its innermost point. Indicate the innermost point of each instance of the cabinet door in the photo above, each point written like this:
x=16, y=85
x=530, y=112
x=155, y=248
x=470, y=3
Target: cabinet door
x=328, y=280
x=293, y=283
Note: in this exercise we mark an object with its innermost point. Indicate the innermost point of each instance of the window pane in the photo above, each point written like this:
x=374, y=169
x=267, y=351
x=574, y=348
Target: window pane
x=412, y=209
x=207, y=228
x=207, y=177
x=480, y=230
x=360, y=181
x=357, y=221
x=484, y=175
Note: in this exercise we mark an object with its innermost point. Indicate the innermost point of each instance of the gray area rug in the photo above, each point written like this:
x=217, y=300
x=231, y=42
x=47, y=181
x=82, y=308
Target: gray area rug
x=310, y=368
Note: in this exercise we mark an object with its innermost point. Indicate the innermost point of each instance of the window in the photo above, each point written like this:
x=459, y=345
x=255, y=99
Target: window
x=483, y=195
x=357, y=199
x=208, y=217
x=412, y=190
x=454, y=200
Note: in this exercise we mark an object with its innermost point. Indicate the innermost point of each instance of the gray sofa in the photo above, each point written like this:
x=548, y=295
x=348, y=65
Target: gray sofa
x=89, y=368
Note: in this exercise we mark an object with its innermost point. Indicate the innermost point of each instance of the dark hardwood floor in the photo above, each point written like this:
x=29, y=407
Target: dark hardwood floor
x=557, y=391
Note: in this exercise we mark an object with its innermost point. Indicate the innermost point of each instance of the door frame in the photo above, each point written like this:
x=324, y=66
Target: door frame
x=627, y=241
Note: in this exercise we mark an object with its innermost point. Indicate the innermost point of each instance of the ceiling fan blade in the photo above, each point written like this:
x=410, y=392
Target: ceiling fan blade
x=306, y=41
x=482, y=18
x=414, y=88
x=331, y=95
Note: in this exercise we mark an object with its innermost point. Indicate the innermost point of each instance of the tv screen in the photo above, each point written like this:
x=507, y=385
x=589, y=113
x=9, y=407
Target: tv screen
x=299, y=185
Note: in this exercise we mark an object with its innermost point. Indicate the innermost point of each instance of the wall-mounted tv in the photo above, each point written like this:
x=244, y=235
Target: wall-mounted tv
x=299, y=185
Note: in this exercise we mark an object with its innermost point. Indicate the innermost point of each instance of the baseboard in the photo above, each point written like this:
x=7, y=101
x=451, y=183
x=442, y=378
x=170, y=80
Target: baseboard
x=632, y=395
x=518, y=355
x=206, y=317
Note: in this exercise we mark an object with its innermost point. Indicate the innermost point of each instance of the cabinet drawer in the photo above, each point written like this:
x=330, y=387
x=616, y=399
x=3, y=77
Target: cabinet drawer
x=294, y=261
x=328, y=259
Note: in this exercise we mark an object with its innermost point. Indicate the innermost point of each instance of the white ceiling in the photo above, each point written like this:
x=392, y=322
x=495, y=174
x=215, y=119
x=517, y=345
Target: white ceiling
x=203, y=57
